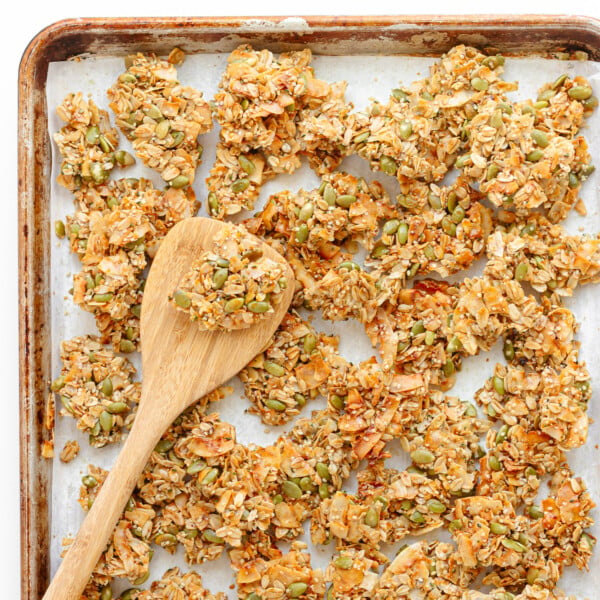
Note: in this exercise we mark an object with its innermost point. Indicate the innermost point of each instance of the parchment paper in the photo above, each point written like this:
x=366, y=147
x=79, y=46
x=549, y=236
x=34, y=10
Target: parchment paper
x=368, y=77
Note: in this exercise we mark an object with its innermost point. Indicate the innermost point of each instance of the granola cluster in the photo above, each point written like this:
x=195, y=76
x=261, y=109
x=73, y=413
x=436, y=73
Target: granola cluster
x=402, y=270
x=231, y=286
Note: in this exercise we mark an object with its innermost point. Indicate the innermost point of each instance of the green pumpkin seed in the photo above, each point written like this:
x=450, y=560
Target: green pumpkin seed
x=57, y=384
x=454, y=345
x=338, y=402
x=436, y=507
x=535, y=512
x=246, y=164
x=559, y=81
x=163, y=446
x=307, y=211
x=240, y=185
x=116, y=408
x=458, y=214
x=258, y=307
x=309, y=343
x=493, y=62
x=164, y=540
x=196, y=466
x=277, y=499
x=219, y=278
x=448, y=226
x=580, y=92
x=106, y=593
x=162, y=129
x=422, y=456
x=502, y=434
x=508, y=350
x=179, y=182
x=434, y=201
x=291, y=489
x=300, y=400
x=448, y=368
x=371, y=517
x=343, y=562
x=400, y=95
x=275, y=405
x=253, y=596
x=210, y=477
x=417, y=517
x=535, y=155
x=546, y=95
x=323, y=471
x=513, y=545
x=390, y=227
x=329, y=194
x=324, y=490
x=142, y=578
x=181, y=299
x=521, y=271
x=106, y=421
x=306, y=485
x=302, y=233
x=498, y=384
x=388, y=165
x=273, y=368
x=345, y=200
x=429, y=252
x=413, y=270
x=540, y=138
x=124, y=159
x=126, y=346
x=455, y=525
x=213, y=203
x=496, y=120
x=429, y=338
x=92, y=134
x=362, y=137
x=498, y=528
x=405, y=130
x=233, y=305
x=417, y=328
x=349, y=266
x=210, y=536
x=532, y=575
x=479, y=84
x=295, y=590
x=492, y=172
x=470, y=410
x=494, y=463
x=107, y=386
x=59, y=229
x=402, y=233
x=573, y=180
x=89, y=481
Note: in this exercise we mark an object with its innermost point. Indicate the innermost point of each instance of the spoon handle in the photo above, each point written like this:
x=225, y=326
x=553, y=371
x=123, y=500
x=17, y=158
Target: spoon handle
x=95, y=532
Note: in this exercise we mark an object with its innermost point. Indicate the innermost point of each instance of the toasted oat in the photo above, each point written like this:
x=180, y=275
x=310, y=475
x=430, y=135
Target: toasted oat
x=70, y=451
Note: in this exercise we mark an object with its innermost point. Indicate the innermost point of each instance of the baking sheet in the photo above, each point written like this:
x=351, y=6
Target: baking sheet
x=368, y=77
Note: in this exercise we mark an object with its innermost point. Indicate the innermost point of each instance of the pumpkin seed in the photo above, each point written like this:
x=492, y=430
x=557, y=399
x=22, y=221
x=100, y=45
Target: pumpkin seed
x=273, y=368
x=338, y=402
x=494, y=463
x=258, y=307
x=126, y=346
x=307, y=211
x=295, y=590
x=240, y=185
x=323, y=471
x=502, y=434
x=329, y=194
x=196, y=466
x=106, y=421
x=233, y=305
x=210, y=477
x=116, y=408
x=388, y=165
x=372, y=517
x=89, y=481
x=498, y=528
x=345, y=200
x=513, y=545
x=343, y=562
x=275, y=405
x=402, y=233
x=302, y=233
x=59, y=229
x=291, y=489
x=405, y=130
x=165, y=539
x=390, y=227
x=309, y=343
x=540, y=138
x=179, y=182
x=422, y=456
x=535, y=155
x=210, y=536
x=324, y=490
x=535, y=512
x=417, y=517
x=498, y=384
x=436, y=507
x=181, y=299
x=246, y=164
x=580, y=92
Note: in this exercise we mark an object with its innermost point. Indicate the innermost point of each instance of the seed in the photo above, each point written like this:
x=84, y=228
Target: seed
x=362, y=137
x=493, y=62
x=434, y=201
x=162, y=129
x=436, y=507
x=182, y=299
x=454, y=345
x=429, y=338
x=106, y=593
x=300, y=400
x=338, y=402
x=455, y=525
x=580, y=92
x=59, y=229
x=142, y=578
x=329, y=194
x=323, y=471
x=295, y=590
x=179, y=182
x=587, y=541
x=494, y=463
x=535, y=155
x=573, y=180
x=405, y=129
x=210, y=477
x=163, y=446
x=508, y=350
x=417, y=328
x=427, y=96
x=513, y=545
x=590, y=104
x=532, y=575
x=246, y=164
x=309, y=343
x=273, y=368
x=345, y=200
x=479, y=84
x=502, y=434
x=540, y=104
x=291, y=489
x=213, y=203
x=126, y=346
x=390, y=227
x=107, y=386
x=306, y=212
x=496, y=119
x=240, y=185
x=116, y=408
x=400, y=95
x=491, y=172
x=406, y=505
x=196, y=466
x=402, y=233
x=324, y=490
x=302, y=233
x=306, y=485
x=535, y=512
x=413, y=270
x=349, y=266
x=498, y=528
x=343, y=562
x=124, y=159
x=92, y=134
x=57, y=384
x=449, y=368
x=233, y=305
x=372, y=517
x=417, y=517
x=498, y=384
x=219, y=278
x=429, y=252
x=470, y=410
x=89, y=481
x=587, y=170
x=210, y=536
x=388, y=165
x=539, y=137
x=106, y=421
x=258, y=307
x=253, y=596
x=422, y=456
x=530, y=472
x=448, y=226
x=277, y=499
x=521, y=271
x=458, y=214
x=275, y=405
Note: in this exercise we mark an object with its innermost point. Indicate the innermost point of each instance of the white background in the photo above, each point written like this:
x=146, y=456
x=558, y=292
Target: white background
x=23, y=21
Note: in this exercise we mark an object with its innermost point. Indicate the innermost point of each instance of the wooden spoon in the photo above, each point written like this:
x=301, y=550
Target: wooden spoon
x=180, y=364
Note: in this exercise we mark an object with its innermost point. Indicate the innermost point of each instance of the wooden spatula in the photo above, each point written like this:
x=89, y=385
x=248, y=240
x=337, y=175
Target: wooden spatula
x=180, y=364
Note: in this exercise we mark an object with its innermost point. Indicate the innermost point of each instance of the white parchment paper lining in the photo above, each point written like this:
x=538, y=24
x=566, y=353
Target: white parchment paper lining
x=368, y=77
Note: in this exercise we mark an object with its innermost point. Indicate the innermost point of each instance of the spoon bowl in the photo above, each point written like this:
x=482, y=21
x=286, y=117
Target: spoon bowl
x=180, y=364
